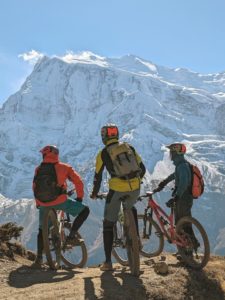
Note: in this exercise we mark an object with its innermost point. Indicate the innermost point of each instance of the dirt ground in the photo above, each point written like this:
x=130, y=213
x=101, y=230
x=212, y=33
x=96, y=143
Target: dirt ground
x=19, y=280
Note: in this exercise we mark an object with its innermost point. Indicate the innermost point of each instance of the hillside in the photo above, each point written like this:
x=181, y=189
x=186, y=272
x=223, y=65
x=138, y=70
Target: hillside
x=20, y=281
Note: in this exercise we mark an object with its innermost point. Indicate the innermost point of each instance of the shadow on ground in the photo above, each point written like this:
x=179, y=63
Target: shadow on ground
x=202, y=285
x=116, y=285
x=26, y=276
x=199, y=284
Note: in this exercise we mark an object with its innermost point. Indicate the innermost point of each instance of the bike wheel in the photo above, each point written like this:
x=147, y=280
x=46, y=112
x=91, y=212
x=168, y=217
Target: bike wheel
x=196, y=249
x=152, y=241
x=75, y=257
x=119, y=244
x=51, y=238
x=132, y=243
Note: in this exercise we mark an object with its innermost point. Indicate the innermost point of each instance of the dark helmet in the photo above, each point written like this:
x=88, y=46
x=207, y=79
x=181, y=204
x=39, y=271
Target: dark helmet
x=177, y=148
x=108, y=132
x=49, y=149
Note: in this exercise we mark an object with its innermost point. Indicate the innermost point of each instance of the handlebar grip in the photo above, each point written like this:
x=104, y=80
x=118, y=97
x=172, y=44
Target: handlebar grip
x=101, y=196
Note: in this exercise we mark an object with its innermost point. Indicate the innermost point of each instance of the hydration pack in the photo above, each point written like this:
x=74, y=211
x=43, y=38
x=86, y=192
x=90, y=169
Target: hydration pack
x=46, y=187
x=197, y=182
x=124, y=161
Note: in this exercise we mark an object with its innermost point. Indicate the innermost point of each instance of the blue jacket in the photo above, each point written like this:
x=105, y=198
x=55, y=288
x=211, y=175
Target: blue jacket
x=182, y=177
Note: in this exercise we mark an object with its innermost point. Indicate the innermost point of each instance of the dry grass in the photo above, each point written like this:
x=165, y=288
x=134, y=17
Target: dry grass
x=8, y=248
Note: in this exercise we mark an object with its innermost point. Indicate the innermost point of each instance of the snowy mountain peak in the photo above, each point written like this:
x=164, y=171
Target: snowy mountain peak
x=85, y=57
x=212, y=83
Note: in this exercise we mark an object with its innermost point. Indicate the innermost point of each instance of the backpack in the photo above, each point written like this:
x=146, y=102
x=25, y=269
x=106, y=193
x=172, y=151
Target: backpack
x=46, y=187
x=124, y=161
x=197, y=182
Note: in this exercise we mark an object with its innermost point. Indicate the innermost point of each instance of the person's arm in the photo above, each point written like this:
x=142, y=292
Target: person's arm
x=75, y=178
x=99, y=167
x=163, y=183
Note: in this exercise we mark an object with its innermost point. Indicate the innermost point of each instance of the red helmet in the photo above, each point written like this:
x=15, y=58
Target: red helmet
x=49, y=149
x=108, y=132
x=178, y=148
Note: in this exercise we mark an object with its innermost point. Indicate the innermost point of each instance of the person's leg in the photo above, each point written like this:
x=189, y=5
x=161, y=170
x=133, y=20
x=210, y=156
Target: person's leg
x=129, y=204
x=183, y=209
x=78, y=210
x=79, y=220
x=108, y=239
x=112, y=207
x=40, y=246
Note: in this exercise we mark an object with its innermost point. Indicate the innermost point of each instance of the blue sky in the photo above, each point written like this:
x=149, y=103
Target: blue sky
x=173, y=33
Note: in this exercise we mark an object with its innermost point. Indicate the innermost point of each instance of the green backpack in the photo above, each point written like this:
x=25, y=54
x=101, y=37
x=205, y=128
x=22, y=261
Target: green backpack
x=124, y=161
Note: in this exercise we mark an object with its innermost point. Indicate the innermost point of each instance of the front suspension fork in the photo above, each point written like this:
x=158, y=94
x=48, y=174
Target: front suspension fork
x=146, y=234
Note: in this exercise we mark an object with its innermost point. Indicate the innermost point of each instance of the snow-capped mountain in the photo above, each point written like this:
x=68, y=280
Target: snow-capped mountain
x=66, y=100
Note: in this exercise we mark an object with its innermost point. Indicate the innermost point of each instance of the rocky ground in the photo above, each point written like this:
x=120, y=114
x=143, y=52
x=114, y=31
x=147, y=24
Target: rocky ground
x=19, y=280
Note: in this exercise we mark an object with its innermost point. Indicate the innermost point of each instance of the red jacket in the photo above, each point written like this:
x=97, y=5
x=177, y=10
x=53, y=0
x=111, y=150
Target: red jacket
x=63, y=172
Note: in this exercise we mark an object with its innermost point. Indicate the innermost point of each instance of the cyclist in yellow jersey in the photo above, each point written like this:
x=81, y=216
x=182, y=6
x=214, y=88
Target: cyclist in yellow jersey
x=126, y=170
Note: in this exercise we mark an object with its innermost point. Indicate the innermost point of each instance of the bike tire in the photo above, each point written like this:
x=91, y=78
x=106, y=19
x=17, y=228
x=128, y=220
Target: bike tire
x=206, y=247
x=147, y=244
x=81, y=261
x=51, y=238
x=121, y=257
x=132, y=243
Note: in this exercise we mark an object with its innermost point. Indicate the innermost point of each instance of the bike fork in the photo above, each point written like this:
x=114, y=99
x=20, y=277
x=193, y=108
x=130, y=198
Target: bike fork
x=145, y=234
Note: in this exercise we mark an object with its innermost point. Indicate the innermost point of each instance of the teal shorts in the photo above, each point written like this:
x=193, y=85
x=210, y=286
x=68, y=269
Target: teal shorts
x=70, y=206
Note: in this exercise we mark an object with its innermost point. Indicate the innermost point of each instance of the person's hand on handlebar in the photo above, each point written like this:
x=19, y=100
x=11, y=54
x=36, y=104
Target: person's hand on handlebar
x=98, y=196
x=171, y=202
x=93, y=196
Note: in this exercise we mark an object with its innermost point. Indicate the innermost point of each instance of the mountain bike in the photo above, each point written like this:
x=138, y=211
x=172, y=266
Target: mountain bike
x=125, y=239
x=56, y=228
x=188, y=234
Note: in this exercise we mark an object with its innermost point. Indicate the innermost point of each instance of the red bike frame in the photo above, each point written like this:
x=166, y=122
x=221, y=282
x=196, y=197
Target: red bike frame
x=164, y=219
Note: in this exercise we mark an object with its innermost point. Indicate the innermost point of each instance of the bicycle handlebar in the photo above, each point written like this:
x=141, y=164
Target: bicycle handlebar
x=148, y=194
x=101, y=196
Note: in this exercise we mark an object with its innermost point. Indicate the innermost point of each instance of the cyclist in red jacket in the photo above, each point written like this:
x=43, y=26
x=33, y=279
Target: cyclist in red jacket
x=50, y=190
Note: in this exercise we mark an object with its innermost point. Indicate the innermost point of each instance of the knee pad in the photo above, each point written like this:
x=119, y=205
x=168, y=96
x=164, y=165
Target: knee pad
x=108, y=225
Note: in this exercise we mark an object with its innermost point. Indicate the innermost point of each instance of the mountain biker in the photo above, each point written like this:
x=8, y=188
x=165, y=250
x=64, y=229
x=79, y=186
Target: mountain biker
x=119, y=188
x=51, y=168
x=182, y=193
